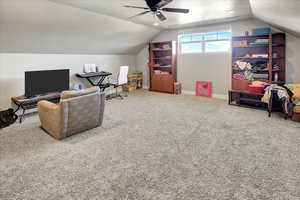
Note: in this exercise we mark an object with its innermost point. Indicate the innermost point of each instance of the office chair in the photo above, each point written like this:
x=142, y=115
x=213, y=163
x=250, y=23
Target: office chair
x=122, y=80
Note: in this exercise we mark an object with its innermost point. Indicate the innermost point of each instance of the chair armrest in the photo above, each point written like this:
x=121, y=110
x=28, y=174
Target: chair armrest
x=47, y=106
x=50, y=117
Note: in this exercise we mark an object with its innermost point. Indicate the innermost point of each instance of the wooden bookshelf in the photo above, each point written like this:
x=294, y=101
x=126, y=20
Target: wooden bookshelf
x=274, y=59
x=163, y=66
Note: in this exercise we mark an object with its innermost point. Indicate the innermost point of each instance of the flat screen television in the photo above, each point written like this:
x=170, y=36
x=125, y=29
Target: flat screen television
x=47, y=81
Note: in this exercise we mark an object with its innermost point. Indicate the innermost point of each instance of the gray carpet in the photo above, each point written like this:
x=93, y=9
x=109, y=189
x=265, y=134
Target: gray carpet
x=157, y=147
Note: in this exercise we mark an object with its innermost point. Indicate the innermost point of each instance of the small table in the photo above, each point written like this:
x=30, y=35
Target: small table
x=246, y=99
x=99, y=75
x=25, y=103
x=136, y=78
x=253, y=100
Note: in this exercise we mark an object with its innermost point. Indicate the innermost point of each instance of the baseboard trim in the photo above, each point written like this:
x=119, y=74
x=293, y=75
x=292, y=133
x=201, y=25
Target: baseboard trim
x=220, y=96
x=188, y=92
x=215, y=96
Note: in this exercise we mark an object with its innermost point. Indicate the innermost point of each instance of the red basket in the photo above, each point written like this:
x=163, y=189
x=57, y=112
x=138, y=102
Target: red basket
x=258, y=89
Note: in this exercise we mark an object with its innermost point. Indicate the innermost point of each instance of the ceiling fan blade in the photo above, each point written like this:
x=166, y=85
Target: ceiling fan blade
x=142, y=13
x=138, y=7
x=163, y=3
x=160, y=16
x=176, y=10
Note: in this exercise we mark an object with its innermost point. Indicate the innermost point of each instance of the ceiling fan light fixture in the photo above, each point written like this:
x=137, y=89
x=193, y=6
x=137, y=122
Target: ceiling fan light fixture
x=156, y=24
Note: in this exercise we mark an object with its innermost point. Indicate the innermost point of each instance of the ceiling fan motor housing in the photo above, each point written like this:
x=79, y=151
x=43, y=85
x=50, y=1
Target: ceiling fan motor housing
x=157, y=7
x=152, y=4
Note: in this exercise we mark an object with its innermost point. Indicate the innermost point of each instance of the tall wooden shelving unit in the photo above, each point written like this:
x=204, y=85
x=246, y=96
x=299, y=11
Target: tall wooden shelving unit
x=276, y=59
x=163, y=66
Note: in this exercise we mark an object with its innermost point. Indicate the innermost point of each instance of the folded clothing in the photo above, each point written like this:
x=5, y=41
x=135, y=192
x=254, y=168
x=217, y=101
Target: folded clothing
x=265, y=76
x=238, y=76
x=259, y=83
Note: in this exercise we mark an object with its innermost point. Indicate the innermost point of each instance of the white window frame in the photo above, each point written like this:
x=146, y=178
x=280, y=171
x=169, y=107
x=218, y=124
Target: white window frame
x=203, y=41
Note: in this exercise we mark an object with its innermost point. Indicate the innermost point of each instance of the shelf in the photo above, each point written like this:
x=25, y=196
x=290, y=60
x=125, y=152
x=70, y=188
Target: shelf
x=253, y=70
x=278, y=82
x=249, y=58
x=161, y=49
x=262, y=45
x=246, y=99
x=278, y=70
x=167, y=42
x=278, y=45
x=162, y=67
x=252, y=36
x=250, y=100
x=162, y=58
x=258, y=58
x=246, y=92
x=254, y=46
x=240, y=79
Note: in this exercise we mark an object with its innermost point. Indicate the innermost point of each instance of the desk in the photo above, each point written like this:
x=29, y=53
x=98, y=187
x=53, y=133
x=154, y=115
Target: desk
x=97, y=75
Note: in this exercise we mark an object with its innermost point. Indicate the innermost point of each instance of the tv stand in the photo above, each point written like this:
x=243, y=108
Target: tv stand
x=27, y=103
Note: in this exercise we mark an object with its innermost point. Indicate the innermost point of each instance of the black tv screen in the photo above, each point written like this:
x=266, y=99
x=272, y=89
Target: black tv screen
x=43, y=82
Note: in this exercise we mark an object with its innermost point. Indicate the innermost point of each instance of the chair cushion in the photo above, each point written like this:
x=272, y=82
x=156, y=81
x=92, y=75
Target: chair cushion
x=297, y=109
x=73, y=93
x=296, y=93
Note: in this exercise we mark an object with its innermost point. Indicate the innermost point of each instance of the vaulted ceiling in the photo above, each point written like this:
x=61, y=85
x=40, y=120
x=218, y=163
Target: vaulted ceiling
x=105, y=26
x=42, y=26
x=284, y=14
x=201, y=11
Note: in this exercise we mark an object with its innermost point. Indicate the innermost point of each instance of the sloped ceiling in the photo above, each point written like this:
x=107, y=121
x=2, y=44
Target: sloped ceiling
x=201, y=11
x=104, y=26
x=41, y=26
x=284, y=14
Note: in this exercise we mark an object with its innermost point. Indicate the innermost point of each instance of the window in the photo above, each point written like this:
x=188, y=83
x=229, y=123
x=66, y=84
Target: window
x=205, y=42
x=193, y=47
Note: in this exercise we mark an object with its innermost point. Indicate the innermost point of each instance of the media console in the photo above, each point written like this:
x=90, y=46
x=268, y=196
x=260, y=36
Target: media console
x=26, y=103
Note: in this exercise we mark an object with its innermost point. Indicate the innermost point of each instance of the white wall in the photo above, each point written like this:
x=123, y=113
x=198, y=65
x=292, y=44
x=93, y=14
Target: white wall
x=41, y=35
x=13, y=66
x=293, y=59
x=216, y=67
x=42, y=26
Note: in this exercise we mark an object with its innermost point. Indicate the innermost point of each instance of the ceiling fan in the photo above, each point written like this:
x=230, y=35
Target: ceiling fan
x=157, y=7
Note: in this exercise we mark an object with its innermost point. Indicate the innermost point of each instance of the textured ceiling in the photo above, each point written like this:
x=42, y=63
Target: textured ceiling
x=201, y=11
x=67, y=26
x=41, y=26
x=284, y=14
